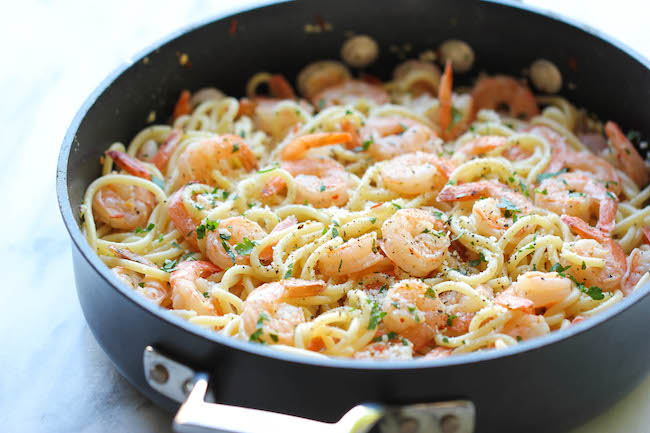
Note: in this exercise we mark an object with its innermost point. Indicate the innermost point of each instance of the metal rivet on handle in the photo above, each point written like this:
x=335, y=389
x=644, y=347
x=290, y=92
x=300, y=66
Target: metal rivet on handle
x=159, y=374
x=187, y=387
x=409, y=425
x=449, y=424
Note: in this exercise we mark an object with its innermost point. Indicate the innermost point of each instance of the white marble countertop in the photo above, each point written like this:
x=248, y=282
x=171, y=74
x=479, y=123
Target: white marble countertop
x=53, y=375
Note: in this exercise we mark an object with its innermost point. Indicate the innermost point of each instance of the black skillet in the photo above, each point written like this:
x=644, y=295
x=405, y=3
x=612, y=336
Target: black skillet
x=549, y=384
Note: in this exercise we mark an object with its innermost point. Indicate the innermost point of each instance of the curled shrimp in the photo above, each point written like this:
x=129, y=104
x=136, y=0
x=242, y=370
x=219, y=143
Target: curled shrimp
x=629, y=159
x=608, y=277
x=578, y=195
x=185, y=293
x=356, y=255
x=414, y=241
x=184, y=222
x=321, y=182
x=267, y=315
x=167, y=148
x=392, y=136
x=221, y=244
x=524, y=326
x=350, y=92
x=413, y=312
x=534, y=290
x=415, y=173
x=494, y=92
x=298, y=147
x=318, y=76
x=269, y=116
x=494, y=213
x=153, y=289
x=123, y=206
x=226, y=153
x=638, y=266
x=385, y=351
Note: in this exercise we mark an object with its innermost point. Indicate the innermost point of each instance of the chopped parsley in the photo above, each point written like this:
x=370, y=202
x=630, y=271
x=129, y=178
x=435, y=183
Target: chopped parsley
x=148, y=229
x=226, y=247
x=235, y=147
x=584, y=265
x=376, y=316
x=335, y=232
x=481, y=258
x=266, y=170
x=445, y=339
x=289, y=271
x=398, y=207
x=169, y=265
x=322, y=188
x=373, y=220
x=206, y=294
x=559, y=269
x=450, y=319
x=430, y=293
x=544, y=176
x=141, y=284
x=245, y=247
x=209, y=226
x=175, y=245
x=612, y=196
x=224, y=235
x=366, y=144
x=256, y=336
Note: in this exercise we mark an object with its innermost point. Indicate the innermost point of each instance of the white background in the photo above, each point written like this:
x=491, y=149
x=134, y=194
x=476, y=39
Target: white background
x=53, y=376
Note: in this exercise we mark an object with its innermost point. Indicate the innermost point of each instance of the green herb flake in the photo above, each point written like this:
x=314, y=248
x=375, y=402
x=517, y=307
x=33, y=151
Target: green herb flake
x=322, y=188
x=169, y=265
x=289, y=271
x=245, y=247
x=335, y=232
x=544, y=176
x=398, y=207
x=226, y=247
x=373, y=220
x=266, y=170
x=141, y=284
x=450, y=319
x=147, y=230
x=376, y=316
x=430, y=293
x=445, y=340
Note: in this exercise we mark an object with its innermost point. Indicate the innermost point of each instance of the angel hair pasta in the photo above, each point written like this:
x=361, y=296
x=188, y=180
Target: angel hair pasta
x=369, y=219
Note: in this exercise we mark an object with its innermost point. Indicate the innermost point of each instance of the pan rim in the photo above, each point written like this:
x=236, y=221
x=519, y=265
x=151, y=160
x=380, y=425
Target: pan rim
x=92, y=258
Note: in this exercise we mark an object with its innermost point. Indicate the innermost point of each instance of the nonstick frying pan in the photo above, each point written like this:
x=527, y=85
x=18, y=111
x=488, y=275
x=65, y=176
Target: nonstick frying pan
x=548, y=384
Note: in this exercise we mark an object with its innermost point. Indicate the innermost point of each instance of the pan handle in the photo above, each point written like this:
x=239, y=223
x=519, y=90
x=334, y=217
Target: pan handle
x=181, y=383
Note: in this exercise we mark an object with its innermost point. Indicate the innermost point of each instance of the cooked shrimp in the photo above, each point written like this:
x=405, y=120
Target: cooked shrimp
x=413, y=312
x=271, y=118
x=185, y=293
x=444, y=97
x=318, y=76
x=629, y=159
x=580, y=196
x=267, y=314
x=354, y=256
x=184, y=222
x=167, y=148
x=494, y=213
x=393, y=136
x=594, y=166
x=494, y=92
x=226, y=153
x=129, y=164
x=298, y=147
x=122, y=206
x=151, y=288
x=414, y=241
x=526, y=326
x=320, y=182
x=535, y=289
x=220, y=245
x=126, y=253
x=638, y=266
x=415, y=173
x=385, y=351
x=608, y=277
x=350, y=92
